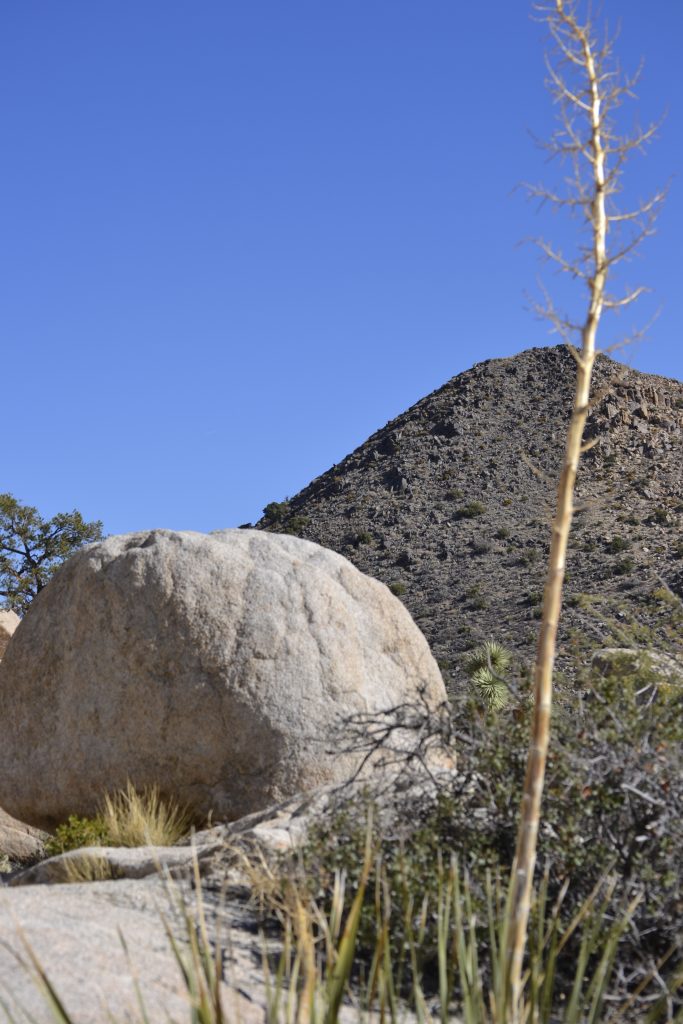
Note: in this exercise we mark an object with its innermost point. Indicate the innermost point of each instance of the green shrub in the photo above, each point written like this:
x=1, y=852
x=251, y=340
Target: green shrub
x=528, y=557
x=77, y=832
x=471, y=510
x=614, y=804
x=617, y=544
x=295, y=525
x=276, y=511
x=397, y=588
x=363, y=537
x=623, y=567
x=125, y=818
x=661, y=517
x=476, y=599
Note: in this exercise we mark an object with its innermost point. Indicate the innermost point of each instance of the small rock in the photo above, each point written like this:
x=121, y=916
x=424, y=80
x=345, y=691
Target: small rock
x=8, y=624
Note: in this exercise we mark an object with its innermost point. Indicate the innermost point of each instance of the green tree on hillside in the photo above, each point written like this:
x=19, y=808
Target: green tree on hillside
x=32, y=548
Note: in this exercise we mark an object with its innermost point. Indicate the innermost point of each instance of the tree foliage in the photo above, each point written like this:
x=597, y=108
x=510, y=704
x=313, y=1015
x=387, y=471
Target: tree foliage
x=32, y=548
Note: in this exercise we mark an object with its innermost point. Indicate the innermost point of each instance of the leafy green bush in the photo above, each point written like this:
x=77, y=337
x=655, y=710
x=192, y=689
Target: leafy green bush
x=362, y=537
x=476, y=599
x=397, y=588
x=75, y=833
x=275, y=511
x=295, y=525
x=471, y=510
x=614, y=805
x=623, y=567
x=661, y=517
x=126, y=818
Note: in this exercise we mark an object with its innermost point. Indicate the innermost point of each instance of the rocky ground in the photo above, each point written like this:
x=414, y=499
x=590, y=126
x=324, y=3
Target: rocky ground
x=450, y=505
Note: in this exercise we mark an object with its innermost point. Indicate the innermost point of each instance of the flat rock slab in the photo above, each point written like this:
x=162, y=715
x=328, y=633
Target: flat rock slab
x=74, y=932
x=115, y=862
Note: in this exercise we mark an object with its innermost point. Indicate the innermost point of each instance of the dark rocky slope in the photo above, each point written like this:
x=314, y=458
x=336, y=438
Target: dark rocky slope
x=450, y=505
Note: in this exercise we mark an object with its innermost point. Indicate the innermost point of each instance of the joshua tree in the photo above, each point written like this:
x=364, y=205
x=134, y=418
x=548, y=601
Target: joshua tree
x=588, y=88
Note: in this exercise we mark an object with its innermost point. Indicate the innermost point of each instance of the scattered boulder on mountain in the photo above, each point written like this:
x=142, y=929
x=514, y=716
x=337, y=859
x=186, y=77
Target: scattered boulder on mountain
x=218, y=667
x=8, y=623
x=658, y=668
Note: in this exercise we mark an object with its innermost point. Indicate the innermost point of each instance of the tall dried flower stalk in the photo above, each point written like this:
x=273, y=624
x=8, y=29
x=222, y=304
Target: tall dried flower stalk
x=587, y=86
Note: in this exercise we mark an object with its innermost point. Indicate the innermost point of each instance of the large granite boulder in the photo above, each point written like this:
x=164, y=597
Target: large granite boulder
x=8, y=624
x=217, y=666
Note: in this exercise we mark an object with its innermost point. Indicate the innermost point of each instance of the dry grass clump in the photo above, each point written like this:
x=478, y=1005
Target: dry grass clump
x=126, y=818
x=87, y=868
x=133, y=818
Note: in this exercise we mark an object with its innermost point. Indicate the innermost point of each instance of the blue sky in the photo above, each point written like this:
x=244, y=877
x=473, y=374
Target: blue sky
x=237, y=238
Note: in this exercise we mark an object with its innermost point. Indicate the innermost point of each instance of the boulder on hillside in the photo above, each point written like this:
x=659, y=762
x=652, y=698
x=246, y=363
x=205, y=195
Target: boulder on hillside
x=8, y=624
x=218, y=667
x=20, y=843
x=654, y=666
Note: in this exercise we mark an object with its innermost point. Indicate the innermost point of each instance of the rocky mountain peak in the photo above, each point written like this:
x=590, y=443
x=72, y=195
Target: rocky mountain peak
x=450, y=505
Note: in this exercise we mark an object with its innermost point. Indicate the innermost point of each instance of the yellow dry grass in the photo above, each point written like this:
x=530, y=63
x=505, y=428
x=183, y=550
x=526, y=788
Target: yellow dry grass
x=133, y=818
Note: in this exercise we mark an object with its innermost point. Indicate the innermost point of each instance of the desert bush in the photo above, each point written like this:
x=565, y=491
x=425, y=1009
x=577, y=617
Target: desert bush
x=614, y=806
x=75, y=833
x=125, y=818
x=295, y=525
x=362, y=537
x=622, y=567
x=275, y=511
x=397, y=588
x=661, y=517
x=472, y=510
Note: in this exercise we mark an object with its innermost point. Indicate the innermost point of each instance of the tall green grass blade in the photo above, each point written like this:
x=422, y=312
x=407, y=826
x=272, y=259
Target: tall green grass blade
x=341, y=971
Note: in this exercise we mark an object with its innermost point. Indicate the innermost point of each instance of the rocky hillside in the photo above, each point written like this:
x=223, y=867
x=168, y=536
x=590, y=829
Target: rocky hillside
x=450, y=503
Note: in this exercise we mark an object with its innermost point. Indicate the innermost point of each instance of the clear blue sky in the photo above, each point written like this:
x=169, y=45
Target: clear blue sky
x=238, y=237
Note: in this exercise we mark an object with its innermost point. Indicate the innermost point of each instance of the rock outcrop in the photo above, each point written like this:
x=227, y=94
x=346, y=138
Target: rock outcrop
x=76, y=931
x=218, y=667
x=20, y=843
x=8, y=624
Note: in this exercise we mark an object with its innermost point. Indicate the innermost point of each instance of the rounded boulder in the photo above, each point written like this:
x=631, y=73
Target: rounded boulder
x=219, y=667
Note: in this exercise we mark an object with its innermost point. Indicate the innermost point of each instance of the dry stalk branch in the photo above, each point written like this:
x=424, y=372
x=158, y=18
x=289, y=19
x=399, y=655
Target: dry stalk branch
x=587, y=85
